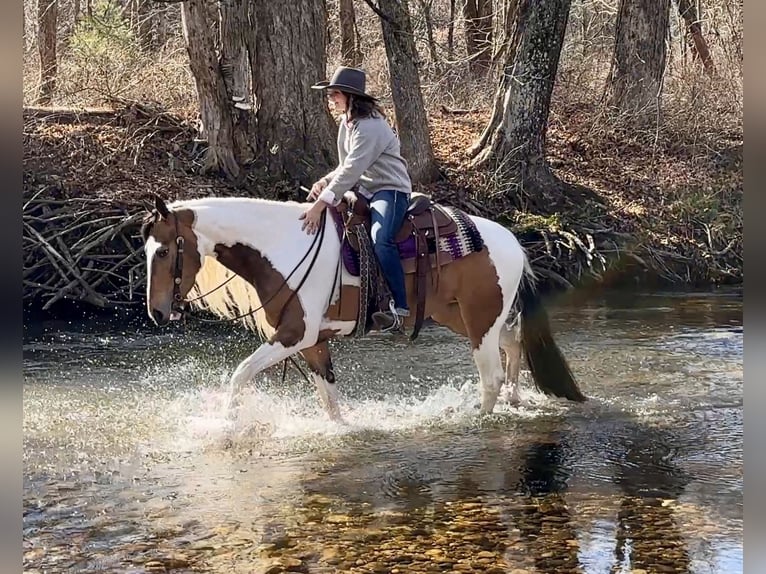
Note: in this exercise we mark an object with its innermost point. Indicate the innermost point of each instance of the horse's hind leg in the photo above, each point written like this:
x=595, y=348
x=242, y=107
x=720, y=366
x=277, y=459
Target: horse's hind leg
x=320, y=364
x=470, y=318
x=510, y=342
x=484, y=333
x=488, y=361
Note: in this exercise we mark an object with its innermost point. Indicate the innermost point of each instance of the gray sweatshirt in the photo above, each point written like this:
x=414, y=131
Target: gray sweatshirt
x=368, y=152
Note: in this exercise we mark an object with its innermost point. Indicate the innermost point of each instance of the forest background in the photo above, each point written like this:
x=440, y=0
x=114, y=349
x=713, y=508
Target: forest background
x=606, y=133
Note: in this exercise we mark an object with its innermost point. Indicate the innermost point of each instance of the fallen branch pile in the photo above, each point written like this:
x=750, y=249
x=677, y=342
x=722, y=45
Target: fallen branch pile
x=83, y=249
x=86, y=173
x=89, y=250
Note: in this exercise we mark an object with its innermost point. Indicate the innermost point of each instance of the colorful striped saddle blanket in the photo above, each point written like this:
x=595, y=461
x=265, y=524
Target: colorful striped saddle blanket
x=452, y=229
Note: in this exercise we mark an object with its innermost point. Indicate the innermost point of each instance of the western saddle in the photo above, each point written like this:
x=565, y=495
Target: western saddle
x=425, y=220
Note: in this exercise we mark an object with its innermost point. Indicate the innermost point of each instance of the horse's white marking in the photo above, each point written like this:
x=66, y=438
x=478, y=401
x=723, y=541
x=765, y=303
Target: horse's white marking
x=509, y=259
x=151, y=247
x=272, y=228
x=342, y=327
x=264, y=357
x=510, y=341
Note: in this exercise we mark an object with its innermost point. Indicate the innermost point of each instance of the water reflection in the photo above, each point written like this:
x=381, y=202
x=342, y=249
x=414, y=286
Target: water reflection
x=513, y=497
x=648, y=475
x=648, y=535
x=544, y=519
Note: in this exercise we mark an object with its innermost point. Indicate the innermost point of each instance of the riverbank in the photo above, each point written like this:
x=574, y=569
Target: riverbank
x=664, y=210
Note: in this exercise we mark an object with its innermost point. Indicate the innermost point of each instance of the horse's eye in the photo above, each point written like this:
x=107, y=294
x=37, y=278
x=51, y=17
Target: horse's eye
x=163, y=252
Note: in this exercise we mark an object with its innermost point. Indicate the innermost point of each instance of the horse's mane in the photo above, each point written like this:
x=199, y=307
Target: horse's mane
x=237, y=297
x=201, y=201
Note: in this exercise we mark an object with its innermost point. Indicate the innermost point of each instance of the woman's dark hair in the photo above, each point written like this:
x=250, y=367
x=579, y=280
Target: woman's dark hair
x=363, y=107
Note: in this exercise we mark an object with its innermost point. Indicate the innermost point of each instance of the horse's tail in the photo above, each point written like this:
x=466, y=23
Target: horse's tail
x=547, y=364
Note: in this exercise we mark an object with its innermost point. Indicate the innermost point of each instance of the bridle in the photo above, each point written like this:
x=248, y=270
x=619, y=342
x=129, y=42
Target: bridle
x=178, y=305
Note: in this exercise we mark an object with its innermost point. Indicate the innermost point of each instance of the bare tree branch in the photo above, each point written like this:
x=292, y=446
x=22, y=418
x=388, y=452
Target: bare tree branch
x=378, y=11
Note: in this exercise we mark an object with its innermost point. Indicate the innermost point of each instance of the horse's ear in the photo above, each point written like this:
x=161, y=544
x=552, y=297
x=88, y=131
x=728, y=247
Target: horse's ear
x=159, y=205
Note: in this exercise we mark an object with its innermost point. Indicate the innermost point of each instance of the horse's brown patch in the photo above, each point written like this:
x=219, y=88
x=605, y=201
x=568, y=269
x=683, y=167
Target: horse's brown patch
x=282, y=307
x=327, y=334
x=467, y=299
x=319, y=361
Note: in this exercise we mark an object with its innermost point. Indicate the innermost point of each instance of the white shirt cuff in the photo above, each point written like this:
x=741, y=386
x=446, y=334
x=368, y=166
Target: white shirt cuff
x=328, y=197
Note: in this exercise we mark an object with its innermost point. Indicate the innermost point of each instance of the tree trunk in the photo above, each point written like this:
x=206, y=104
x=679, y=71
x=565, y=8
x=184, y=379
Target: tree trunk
x=349, y=54
x=411, y=119
x=638, y=65
x=426, y=8
x=235, y=67
x=145, y=24
x=235, y=70
x=478, y=34
x=508, y=52
x=451, y=31
x=517, y=145
x=505, y=33
x=215, y=105
x=47, y=16
x=688, y=11
x=295, y=132
x=162, y=25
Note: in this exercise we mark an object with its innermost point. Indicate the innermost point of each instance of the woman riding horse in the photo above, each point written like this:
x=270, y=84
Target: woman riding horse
x=370, y=162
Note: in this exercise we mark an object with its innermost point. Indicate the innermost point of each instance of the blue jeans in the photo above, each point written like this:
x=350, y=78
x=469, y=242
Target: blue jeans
x=388, y=209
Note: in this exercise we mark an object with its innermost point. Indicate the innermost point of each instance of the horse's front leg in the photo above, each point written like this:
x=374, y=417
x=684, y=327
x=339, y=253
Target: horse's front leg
x=320, y=364
x=265, y=356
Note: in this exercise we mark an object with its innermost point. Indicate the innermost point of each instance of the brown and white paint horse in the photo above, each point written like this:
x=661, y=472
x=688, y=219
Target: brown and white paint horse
x=293, y=300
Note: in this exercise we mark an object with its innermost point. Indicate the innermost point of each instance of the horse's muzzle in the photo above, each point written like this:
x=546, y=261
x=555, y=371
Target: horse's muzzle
x=159, y=317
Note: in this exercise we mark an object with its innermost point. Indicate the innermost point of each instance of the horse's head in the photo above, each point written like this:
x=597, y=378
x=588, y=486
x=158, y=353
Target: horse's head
x=172, y=260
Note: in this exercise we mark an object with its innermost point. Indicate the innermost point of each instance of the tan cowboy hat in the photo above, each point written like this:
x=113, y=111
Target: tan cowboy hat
x=345, y=79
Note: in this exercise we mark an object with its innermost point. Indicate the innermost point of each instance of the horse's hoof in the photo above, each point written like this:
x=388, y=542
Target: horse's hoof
x=230, y=412
x=338, y=420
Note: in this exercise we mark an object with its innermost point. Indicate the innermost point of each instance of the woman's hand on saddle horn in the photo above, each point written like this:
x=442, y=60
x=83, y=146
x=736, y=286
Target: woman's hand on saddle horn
x=350, y=198
x=312, y=216
x=316, y=189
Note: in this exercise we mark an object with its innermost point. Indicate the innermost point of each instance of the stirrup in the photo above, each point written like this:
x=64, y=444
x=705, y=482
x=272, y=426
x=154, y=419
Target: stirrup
x=387, y=321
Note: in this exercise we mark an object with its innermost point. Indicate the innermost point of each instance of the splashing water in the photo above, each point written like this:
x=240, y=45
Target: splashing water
x=281, y=417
